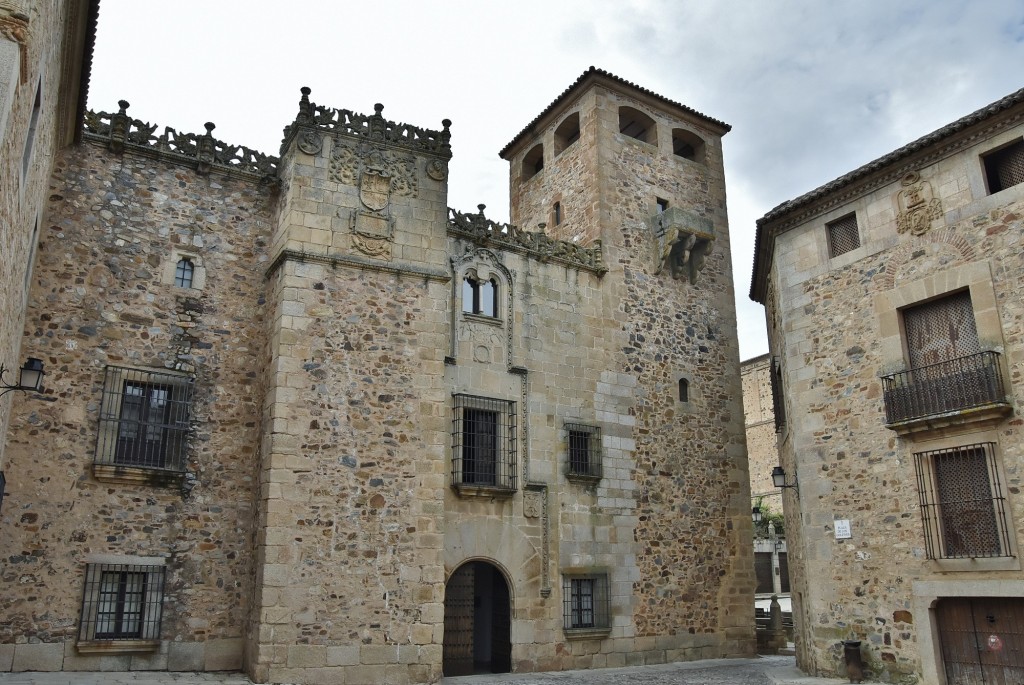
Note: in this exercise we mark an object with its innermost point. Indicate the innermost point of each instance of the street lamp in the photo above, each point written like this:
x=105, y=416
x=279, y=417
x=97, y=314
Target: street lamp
x=779, y=480
x=30, y=377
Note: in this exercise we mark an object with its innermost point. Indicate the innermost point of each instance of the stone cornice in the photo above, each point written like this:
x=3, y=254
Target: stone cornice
x=202, y=152
x=370, y=127
x=484, y=232
x=357, y=263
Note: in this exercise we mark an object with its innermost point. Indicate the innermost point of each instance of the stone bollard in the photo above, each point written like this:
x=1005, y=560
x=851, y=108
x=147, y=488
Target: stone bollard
x=854, y=665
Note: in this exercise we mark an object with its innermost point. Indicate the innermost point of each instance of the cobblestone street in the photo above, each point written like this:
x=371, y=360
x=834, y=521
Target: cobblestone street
x=769, y=670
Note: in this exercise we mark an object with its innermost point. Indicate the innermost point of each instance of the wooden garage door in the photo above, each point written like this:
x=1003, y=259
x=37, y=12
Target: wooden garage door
x=982, y=640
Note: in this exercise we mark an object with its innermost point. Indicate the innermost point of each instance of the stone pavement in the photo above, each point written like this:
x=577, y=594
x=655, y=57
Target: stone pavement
x=768, y=670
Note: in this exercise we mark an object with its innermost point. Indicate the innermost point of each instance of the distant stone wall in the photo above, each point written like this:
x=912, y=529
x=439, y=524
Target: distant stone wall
x=762, y=446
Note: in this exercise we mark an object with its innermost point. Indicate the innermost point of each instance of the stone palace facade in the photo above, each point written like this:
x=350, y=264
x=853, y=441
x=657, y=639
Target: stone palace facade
x=302, y=419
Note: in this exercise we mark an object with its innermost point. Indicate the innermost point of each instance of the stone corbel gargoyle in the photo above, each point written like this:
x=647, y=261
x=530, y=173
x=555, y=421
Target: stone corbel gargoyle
x=684, y=241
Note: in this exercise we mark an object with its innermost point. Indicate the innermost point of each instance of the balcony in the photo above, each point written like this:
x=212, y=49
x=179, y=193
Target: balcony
x=962, y=390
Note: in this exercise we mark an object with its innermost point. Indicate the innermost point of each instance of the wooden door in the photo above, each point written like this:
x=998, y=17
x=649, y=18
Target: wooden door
x=982, y=640
x=458, y=622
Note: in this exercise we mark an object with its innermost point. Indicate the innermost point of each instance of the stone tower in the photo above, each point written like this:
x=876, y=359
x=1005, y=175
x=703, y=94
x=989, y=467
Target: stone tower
x=613, y=165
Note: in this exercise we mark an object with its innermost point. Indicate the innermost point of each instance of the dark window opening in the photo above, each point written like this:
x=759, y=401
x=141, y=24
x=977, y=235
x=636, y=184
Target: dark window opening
x=684, y=390
x=144, y=420
x=483, y=442
x=778, y=402
x=122, y=602
x=567, y=133
x=687, y=145
x=636, y=124
x=584, y=451
x=1004, y=168
x=558, y=213
x=660, y=205
x=533, y=162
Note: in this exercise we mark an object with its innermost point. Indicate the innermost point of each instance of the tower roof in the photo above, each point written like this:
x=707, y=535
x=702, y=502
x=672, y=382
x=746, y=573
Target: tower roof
x=594, y=75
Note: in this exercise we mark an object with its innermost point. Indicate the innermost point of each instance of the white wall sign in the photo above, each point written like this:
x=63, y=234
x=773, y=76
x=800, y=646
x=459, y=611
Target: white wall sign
x=842, y=527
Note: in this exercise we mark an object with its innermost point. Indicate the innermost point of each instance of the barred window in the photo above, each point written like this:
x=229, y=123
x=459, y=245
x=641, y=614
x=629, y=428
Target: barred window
x=183, y=273
x=585, y=602
x=1004, y=168
x=941, y=330
x=843, y=235
x=144, y=419
x=480, y=296
x=962, y=503
x=583, y=458
x=121, y=603
x=484, y=443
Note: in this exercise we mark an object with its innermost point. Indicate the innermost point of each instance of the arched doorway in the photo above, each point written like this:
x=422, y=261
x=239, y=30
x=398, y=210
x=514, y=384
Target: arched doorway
x=477, y=621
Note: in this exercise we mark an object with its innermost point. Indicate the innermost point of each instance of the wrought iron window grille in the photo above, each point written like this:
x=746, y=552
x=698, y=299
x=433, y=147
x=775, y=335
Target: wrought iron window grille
x=484, y=441
x=843, y=235
x=583, y=451
x=144, y=419
x=122, y=603
x=586, y=604
x=963, y=508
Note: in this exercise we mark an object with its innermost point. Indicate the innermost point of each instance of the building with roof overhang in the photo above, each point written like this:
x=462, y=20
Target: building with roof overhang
x=895, y=323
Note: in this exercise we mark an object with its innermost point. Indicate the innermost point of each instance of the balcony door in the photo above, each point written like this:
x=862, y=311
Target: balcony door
x=941, y=330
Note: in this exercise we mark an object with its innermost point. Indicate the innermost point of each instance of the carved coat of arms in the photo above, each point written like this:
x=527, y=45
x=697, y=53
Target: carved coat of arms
x=917, y=205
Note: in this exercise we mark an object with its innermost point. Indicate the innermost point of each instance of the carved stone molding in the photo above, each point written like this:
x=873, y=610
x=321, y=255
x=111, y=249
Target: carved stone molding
x=437, y=170
x=684, y=240
x=350, y=163
x=14, y=27
x=918, y=206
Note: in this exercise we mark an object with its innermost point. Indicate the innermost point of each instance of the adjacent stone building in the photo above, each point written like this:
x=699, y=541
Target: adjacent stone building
x=894, y=306
x=43, y=55
x=302, y=419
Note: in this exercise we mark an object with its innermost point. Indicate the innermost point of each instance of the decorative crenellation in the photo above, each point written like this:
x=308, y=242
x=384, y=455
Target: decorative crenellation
x=373, y=127
x=536, y=244
x=203, y=151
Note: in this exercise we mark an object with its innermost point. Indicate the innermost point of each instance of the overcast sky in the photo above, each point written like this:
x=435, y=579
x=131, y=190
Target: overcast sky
x=812, y=88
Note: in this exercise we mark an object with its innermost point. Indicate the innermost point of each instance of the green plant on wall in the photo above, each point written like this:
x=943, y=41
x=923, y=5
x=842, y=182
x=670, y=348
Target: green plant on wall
x=768, y=516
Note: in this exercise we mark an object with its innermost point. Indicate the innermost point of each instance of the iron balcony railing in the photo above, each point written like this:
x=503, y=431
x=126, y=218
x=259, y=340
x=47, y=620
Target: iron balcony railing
x=954, y=385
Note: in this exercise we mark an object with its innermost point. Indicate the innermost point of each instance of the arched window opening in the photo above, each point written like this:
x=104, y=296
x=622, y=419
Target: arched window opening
x=183, y=273
x=480, y=296
x=557, y=212
x=567, y=133
x=636, y=124
x=687, y=145
x=684, y=390
x=533, y=162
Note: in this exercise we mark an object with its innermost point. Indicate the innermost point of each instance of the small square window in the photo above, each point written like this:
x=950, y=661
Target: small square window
x=583, y=453
x=843, y=235
x=585, y=602
x=1004, y=168
x=183, y=273
x=144, y=419
x=122, y=604
x=660, y=205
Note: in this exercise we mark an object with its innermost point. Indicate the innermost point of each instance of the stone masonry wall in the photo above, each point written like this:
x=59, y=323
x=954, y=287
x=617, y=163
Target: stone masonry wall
x=687, y=502
x=350, y=581
x=836, y=341
x=101, y=297
x=22, y=195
